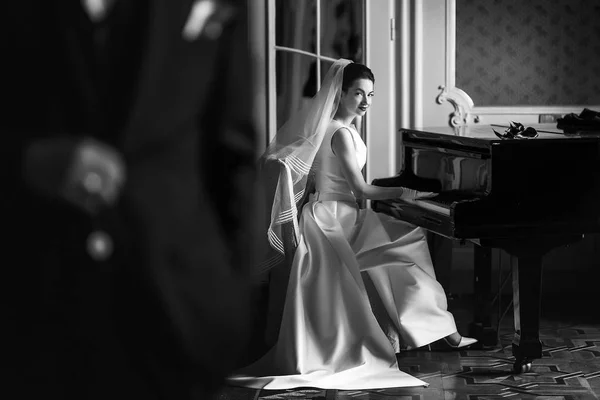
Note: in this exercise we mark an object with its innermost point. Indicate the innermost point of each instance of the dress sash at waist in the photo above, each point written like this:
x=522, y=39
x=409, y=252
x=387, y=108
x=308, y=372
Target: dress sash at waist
x=326, y=196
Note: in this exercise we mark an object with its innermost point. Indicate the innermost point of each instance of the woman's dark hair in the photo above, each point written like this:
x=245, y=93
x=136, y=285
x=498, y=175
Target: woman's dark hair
x=354, y=71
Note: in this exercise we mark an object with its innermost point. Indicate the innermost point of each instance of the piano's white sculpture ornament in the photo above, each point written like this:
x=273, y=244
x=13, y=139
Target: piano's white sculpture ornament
x=462, y=103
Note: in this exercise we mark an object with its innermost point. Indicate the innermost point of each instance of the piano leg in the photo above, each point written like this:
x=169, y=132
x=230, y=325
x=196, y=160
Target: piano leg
x=527, y=285
x=481, y=327
x=527, y=255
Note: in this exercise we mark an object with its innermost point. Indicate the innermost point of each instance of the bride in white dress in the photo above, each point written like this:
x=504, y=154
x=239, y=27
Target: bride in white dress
x=329, y=336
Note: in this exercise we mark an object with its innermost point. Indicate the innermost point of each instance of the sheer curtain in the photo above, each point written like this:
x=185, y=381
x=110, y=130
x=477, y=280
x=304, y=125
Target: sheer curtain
x=295, y=26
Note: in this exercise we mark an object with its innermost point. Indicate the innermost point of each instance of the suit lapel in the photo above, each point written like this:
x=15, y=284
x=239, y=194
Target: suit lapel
x=164, y=27
x=75, y=34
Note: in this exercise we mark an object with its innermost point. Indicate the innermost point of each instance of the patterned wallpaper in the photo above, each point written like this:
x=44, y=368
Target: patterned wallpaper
x=532, y=52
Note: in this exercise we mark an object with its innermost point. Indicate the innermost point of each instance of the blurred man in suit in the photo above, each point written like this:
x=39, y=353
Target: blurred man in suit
x=128, y=157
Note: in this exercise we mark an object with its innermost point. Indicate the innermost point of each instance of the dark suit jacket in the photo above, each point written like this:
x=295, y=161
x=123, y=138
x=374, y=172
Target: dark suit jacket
x=166, y=316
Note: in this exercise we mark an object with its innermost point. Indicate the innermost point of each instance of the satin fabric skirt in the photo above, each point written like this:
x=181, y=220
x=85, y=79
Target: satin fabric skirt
x=330, y=337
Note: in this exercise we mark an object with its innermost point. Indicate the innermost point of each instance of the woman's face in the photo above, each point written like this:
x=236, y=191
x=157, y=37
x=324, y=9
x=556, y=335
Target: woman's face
x=357, y=99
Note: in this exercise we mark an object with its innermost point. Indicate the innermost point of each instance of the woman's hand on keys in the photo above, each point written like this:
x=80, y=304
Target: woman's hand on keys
x=412, y=194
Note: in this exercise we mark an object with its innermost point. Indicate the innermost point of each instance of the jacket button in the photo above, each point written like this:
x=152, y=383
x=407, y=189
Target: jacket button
x=99, y=245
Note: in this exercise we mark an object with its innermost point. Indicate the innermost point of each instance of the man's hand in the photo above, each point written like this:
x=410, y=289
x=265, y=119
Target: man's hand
x=411, y=194
x=88, y=175
x=95, y=176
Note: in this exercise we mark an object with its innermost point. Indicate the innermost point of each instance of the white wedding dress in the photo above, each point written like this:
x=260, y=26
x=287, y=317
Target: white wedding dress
x=329, y=336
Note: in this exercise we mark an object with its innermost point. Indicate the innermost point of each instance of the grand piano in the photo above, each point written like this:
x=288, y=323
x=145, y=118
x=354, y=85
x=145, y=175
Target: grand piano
x=524, y=196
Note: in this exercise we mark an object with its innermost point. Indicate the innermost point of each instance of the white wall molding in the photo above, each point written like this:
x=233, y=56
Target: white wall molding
x=527, y=114
x=380, y=121
x=459, y=99
x=411, y=72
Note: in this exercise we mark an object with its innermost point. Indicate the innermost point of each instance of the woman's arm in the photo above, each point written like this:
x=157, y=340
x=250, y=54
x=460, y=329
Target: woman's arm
x=342, y=145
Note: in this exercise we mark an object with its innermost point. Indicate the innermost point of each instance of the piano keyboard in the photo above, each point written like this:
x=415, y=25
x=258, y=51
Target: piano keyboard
x=442, y=202
x=432, y=205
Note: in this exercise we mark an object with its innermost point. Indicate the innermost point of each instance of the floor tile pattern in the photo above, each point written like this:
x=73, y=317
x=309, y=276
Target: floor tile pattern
x=569, y=369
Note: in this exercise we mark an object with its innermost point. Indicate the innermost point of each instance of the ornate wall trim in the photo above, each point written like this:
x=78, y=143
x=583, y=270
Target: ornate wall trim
x=489, y=114
x=465, y=112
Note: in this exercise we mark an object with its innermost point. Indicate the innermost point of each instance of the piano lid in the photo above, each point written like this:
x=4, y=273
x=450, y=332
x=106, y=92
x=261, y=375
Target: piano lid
x=486, y=133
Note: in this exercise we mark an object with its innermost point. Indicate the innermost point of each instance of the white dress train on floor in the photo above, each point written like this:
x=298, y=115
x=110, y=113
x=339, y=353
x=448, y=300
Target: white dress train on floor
x=329, y=336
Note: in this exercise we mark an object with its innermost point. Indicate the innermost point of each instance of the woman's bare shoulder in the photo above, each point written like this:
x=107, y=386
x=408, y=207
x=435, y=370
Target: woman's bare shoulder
x=334, y=125
x=342, y=140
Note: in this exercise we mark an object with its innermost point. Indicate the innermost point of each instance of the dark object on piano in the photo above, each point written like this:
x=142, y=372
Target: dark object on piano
x=505, y=194
x=517, y=131
x=587, y=121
